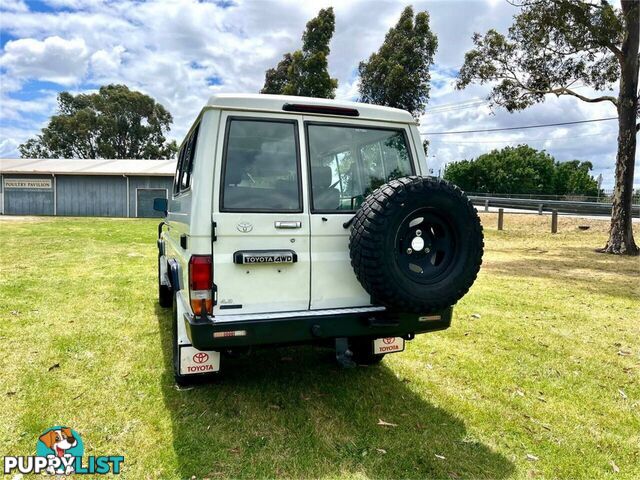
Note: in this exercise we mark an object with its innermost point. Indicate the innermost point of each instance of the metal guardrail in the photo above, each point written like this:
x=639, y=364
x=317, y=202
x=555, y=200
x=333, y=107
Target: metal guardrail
x=604, y=198
x=543, y=205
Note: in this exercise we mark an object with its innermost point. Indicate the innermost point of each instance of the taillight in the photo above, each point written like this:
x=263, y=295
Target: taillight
x=201, y=283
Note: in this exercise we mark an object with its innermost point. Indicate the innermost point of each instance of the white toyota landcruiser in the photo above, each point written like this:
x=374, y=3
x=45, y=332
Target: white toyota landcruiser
x=300, y=220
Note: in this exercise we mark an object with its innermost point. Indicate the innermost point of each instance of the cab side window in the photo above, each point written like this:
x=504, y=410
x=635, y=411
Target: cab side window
x=261, y=166
x=176, y=179
x=186, y=155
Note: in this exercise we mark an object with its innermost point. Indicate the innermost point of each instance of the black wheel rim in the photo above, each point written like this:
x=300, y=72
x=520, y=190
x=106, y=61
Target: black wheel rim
x=425, y=246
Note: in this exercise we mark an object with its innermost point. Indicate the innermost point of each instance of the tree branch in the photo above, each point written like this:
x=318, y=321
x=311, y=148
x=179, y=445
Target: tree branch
x=557, y=91
x=566, y=91
x=616, y=51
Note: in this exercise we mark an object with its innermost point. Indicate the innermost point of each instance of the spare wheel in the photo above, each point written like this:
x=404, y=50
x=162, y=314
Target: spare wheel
x=416, y=244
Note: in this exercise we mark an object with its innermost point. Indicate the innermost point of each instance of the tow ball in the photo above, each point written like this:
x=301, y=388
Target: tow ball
x=344, y=356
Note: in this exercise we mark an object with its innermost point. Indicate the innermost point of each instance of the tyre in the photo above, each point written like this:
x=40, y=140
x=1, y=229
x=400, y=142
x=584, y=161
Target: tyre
x=165, y=294
x=416, y=244
x=362, y=350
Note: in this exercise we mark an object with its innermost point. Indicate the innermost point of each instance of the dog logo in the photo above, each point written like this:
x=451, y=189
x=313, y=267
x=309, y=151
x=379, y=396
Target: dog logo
x=60, y=442
x=244, y=227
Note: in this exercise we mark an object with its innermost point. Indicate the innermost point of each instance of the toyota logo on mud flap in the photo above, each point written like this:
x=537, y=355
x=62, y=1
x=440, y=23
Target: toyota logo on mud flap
x=389, y=340
x=200, y=357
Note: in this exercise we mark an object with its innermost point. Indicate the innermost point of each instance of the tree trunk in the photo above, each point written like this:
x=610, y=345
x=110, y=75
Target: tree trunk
x=621, y=231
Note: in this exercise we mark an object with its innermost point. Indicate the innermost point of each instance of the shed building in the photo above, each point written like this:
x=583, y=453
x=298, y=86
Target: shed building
x=78, y=187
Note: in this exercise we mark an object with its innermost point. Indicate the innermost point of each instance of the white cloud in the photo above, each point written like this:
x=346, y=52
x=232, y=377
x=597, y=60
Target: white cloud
x=13, y=5
x=53, y=59
x=348, y=89
x=105, y=62
x=73, y=4
x=7, y=147
x=180, y=52
x=12, y=108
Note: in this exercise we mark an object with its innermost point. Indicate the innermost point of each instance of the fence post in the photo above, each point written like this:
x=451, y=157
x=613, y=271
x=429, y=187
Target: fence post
x=500, y=218
x=540, y=209
x=486, y=205
x=554, y=221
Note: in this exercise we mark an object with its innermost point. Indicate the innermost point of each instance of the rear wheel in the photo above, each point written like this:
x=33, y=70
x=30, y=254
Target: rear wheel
x=362, y=350
x=165, y=294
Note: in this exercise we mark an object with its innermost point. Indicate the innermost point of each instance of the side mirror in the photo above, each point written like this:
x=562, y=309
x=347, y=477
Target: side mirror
x=160, y=205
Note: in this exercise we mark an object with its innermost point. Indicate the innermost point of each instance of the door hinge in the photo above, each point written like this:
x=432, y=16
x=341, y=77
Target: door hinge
x=213, y=231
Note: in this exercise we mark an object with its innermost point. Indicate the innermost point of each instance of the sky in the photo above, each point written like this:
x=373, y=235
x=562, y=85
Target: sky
x=182, y=52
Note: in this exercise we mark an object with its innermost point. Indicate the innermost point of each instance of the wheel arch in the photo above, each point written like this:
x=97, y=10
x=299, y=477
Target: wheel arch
x=175, y=274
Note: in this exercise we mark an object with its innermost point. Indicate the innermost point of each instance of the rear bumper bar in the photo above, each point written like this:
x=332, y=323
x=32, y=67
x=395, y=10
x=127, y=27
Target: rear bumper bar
x=309, y=326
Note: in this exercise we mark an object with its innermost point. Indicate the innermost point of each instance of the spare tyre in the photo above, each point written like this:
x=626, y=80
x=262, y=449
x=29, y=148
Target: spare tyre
x=416, y=244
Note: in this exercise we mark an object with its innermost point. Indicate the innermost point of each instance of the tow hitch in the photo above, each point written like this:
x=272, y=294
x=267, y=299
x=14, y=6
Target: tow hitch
x=344, y=356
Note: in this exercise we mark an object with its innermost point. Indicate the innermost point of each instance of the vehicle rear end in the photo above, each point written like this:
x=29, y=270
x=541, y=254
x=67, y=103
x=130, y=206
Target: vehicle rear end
x=260, y=231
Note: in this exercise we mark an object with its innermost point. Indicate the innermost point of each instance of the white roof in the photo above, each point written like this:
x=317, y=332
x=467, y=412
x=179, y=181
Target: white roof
x=274, y=103
x=64, y=166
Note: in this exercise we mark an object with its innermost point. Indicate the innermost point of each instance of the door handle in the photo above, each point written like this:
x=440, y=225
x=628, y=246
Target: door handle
x=288, y=224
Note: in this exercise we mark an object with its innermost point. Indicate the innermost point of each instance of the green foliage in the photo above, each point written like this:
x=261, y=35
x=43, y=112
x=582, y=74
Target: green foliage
x=305, y=72
x=397, y=75
x=574, y=178
x=276, y=79
x=552, y=45
x=114, y=123
x=522, y=169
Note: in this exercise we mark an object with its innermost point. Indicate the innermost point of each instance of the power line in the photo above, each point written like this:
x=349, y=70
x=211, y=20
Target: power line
x=473, y=102
x=456, y=109
x=460, y=102
x=468, y=147
x=524, y=127
x=525, y=140
x=447, y=107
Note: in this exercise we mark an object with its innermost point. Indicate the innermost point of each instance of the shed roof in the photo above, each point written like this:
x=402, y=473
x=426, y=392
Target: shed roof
x=274, y=103
x=64, y=166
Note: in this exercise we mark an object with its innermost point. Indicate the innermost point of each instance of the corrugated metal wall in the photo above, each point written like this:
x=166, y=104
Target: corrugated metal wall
x=82, y=195
x=92, y=196
x=28, y=199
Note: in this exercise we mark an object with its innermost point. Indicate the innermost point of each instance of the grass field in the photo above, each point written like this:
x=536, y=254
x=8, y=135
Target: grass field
x=539, y=376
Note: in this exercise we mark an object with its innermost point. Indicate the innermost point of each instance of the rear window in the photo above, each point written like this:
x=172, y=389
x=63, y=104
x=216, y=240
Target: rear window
x=348, y=163
x=261, y=167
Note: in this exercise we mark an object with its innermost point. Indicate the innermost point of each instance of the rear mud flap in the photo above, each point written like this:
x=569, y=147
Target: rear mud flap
x=194, y=361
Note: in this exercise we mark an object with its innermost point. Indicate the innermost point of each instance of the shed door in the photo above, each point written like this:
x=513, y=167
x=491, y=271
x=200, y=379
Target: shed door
x=144, y=201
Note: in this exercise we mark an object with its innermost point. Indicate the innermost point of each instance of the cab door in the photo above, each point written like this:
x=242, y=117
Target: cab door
x=347, y=160
x=261, y=253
